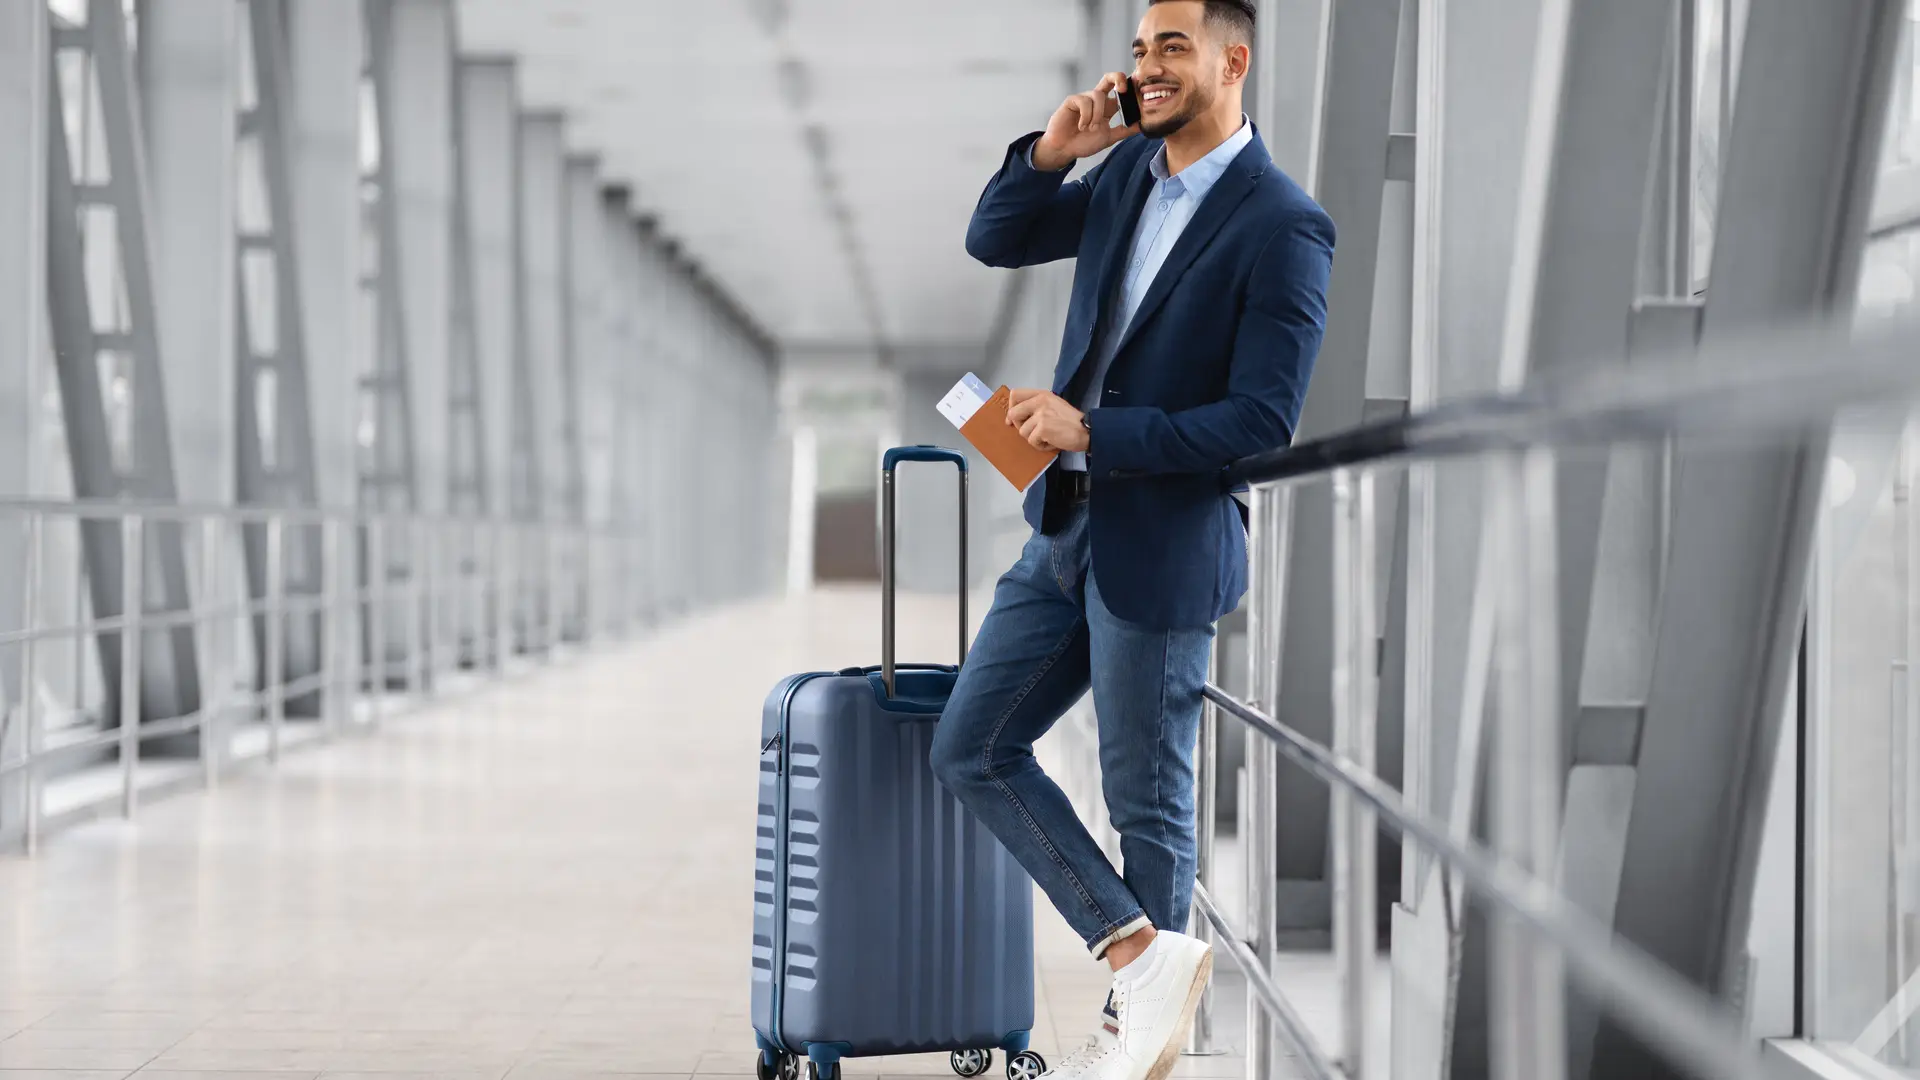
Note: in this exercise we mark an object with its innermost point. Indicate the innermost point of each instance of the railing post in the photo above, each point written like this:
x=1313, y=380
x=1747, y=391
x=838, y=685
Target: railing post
x=82, y=608
x=1259, y=843
x=556, y=607
x=1355, y=683
x=583, y=586
x=208, y=606
x=1528, y=1037
x=499, y=600
x=1206, y=808
x=377, y=624
x=276, y=618
x=333, y=625
x=419, y=608
x=33, y=738
x=132, y=607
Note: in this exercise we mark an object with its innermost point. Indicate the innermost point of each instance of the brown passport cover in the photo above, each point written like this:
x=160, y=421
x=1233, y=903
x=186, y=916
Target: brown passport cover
x=1002, y=445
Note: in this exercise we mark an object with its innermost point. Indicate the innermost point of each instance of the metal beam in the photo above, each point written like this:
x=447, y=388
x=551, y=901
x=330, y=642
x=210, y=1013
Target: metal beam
x=543, y=253
x=189, y=87
x=24, y=64
x=389, y=476
x=274, y=402
x=327, y=54
x=1328, y=101
x=1793, y=216
x=140, y=464
x=417, y=106
x=490, y=108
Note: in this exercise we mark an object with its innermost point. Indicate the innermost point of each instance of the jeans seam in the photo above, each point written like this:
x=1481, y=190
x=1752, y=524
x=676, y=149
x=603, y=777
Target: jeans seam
x=1159, y=765
x=1006, y=789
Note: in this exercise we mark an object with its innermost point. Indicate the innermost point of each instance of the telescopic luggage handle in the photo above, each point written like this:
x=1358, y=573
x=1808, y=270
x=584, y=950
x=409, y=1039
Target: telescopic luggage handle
x=887, y=532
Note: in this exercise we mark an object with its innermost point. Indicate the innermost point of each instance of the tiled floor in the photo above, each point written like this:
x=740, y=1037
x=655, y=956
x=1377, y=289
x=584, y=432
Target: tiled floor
x=547, y=880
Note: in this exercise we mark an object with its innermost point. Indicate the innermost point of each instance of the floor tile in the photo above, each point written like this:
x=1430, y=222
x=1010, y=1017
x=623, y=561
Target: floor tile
x=167, y=1074
x=151, y=1041
x=64, y=1074
x=72, y=1057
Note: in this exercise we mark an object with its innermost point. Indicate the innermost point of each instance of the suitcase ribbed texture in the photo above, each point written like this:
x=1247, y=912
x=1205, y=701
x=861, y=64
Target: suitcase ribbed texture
x=906, y=926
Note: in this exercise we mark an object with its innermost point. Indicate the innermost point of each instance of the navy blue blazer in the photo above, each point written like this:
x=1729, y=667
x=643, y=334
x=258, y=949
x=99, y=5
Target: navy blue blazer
x=1213, y=368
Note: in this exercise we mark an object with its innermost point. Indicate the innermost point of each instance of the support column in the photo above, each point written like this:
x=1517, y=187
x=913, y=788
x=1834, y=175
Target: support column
x=189, y=91
x=595, y=397
x=326, y=49
x=1328, y=100
x=421, y=167
x=24, y=68
x=1475, y=70
x=543, y=253
x=326, y=43
x=105, y=354
x=491, y=109
x=1795, y=202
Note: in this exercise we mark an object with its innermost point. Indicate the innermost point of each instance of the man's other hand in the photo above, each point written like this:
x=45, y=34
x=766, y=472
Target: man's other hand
x=1046, y=421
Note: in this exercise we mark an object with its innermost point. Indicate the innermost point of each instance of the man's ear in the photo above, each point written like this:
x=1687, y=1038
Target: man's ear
x=1239, y=60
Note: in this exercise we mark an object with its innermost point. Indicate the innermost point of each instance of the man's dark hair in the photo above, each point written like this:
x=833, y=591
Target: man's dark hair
x=1232, y=19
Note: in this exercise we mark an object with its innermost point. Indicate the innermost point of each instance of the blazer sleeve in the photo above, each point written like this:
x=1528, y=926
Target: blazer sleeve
x=1027, y=216
x=1275, y=347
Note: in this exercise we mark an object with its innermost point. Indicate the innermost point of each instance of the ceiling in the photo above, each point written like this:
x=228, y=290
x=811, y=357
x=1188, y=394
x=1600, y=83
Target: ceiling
x=819, y=158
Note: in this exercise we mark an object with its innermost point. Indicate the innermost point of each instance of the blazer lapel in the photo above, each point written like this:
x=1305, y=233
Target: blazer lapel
x=1227, y=195
x=1119, y=247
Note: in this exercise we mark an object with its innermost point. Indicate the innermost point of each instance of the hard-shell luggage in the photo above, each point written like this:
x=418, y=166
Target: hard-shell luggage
x=887, y=920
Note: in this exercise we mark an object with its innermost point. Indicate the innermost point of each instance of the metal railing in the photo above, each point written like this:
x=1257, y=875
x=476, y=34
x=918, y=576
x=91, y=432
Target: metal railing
x=1788, y=382
x=400, y=600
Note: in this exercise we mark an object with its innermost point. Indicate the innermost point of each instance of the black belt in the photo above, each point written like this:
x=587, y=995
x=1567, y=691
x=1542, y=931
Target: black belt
x=1074, y=487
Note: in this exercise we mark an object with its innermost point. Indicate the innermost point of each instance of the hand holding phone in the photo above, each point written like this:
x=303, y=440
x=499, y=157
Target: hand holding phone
x=1083, y=125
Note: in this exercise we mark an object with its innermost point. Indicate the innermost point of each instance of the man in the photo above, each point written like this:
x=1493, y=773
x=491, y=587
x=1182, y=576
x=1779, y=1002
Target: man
x=1197, y=312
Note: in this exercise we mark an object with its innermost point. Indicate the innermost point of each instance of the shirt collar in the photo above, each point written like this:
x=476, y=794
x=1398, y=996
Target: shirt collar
x=1199, y=177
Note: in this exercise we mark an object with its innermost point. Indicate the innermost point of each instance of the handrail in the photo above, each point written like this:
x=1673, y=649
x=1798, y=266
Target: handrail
x=97, y=509
x=1758, y=381
x=1656, y=1004
x=1291, y=1026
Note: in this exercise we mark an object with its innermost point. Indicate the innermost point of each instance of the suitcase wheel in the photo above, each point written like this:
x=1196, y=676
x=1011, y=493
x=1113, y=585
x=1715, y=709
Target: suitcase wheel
x=971, y=1062
x=782, y=1067
x=817, y=1071
x=1026, y=1065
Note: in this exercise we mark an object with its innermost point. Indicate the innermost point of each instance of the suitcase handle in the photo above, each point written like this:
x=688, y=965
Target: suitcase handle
x=888, y=577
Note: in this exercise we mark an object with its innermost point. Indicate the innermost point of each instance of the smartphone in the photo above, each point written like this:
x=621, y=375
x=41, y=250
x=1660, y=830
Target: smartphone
x=1130, y=103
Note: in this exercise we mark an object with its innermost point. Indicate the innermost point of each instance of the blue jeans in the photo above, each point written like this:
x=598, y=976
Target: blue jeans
x=1046, y=640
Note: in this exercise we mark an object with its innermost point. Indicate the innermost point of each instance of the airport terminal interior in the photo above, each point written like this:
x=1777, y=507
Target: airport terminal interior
x=430, y=429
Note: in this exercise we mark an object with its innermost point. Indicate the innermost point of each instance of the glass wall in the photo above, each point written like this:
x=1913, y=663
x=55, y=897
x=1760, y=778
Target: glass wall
x=1861, y=737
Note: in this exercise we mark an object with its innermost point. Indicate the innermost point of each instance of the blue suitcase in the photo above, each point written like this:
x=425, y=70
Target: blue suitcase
x=887, y=920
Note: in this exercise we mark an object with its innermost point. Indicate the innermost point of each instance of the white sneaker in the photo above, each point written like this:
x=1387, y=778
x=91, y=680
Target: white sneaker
x=1097, y=1056
x=1154, y=1006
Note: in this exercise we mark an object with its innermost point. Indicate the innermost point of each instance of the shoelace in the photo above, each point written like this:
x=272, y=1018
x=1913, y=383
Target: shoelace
x=1095, y=1048
x=1089, y=1052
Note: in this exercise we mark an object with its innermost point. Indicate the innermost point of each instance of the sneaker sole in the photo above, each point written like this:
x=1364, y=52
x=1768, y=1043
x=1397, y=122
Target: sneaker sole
x=1163, y=1065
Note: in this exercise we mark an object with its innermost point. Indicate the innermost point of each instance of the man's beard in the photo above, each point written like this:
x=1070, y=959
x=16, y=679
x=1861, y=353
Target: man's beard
x=1197, y=103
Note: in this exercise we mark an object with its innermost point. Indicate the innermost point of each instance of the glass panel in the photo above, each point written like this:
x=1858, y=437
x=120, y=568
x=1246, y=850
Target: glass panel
x=73, y=11
x=1903, y=132
x=1864, y=746
x=263, y=330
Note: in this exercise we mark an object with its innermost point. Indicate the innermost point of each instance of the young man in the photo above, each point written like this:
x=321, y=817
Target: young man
x=1197, y=312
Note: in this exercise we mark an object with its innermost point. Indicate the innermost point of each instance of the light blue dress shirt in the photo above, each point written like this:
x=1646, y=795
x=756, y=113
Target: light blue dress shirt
x=1169, y=210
